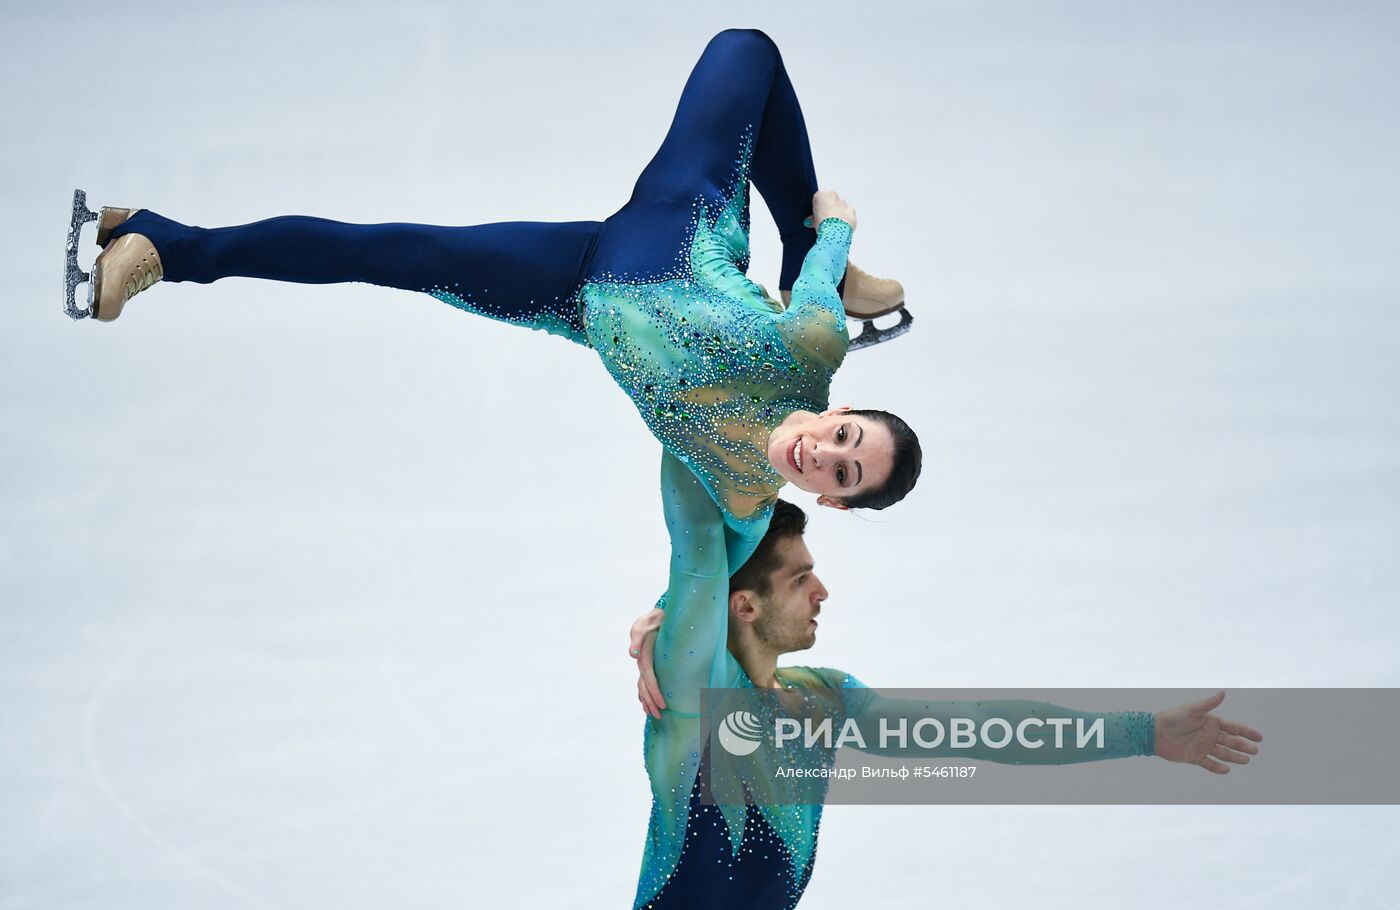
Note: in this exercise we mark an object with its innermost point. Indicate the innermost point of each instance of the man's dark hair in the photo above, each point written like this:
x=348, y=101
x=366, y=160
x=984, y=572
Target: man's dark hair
x=757, y=574
x=904, y=473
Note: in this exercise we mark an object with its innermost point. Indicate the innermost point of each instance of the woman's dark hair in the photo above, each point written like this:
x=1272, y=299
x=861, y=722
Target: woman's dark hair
x=908, y=461
x=757, y=573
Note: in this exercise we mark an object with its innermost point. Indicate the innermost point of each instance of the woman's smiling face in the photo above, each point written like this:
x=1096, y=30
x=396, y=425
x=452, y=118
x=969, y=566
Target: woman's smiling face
x=835, y=454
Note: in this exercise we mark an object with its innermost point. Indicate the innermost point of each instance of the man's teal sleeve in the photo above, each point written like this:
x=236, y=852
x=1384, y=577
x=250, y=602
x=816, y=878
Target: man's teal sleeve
x=1037, y=733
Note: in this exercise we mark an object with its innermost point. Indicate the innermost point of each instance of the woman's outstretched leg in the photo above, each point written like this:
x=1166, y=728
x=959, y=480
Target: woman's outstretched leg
x=521, y=272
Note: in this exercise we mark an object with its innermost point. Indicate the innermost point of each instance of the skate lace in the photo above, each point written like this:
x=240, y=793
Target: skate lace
x=144, y=274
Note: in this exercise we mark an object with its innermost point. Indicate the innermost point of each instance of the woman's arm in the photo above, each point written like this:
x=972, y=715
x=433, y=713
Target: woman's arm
x=691, y=647
x=695, y=524
x=823, y=268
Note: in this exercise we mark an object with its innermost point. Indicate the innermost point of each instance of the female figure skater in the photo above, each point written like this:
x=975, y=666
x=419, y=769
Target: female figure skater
x=732, y=382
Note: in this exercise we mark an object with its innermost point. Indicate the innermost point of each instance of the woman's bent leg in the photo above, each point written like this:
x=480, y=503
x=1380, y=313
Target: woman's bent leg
x=522, y=271
x=738, y=85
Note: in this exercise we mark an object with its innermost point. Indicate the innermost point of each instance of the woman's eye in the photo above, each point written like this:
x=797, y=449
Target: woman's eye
x=841, y=476
x=841, y=434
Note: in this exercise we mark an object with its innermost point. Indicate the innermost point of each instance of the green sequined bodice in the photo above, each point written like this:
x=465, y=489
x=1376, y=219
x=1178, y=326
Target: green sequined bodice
x=714, y=364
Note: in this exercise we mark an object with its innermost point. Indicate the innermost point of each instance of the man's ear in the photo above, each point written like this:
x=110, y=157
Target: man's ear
x=839, y=409
x=824, y=500
x=742, y=606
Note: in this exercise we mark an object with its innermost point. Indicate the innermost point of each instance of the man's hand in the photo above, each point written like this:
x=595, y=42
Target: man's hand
x=1192, y=734
x=827, y=204
x=642, y=647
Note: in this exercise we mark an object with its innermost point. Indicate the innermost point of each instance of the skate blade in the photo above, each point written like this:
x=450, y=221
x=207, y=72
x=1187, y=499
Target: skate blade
x=72, y=274
x=871, y=335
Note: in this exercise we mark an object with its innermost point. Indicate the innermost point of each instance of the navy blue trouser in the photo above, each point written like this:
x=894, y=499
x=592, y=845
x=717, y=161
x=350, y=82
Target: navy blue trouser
x=517, y=269
x=710, y=877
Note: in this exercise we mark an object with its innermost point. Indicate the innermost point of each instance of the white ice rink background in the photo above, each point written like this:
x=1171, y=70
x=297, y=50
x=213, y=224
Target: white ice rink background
x=316, y=596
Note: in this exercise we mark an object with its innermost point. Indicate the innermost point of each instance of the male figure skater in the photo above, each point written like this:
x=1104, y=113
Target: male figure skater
x=758, y=856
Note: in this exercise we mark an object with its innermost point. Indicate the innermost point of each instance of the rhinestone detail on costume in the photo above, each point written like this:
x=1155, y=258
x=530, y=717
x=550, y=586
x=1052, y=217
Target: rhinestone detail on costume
x=711, y=362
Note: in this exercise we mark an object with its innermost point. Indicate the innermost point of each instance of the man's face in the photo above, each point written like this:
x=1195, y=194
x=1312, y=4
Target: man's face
x=788, y=615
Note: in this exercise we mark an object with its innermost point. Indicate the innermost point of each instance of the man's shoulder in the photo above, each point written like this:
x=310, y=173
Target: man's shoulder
x=818, y=678
x=852, y=695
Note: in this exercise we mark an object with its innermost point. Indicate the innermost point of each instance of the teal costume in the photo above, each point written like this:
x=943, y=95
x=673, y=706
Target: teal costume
x=659, y=289
x=714, y=364
x=711, y=361
x=691, y=654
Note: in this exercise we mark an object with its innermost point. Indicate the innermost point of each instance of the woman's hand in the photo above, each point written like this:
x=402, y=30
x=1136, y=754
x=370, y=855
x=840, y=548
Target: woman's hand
x=827, y=204
x=1193, y=735
x=641, y=646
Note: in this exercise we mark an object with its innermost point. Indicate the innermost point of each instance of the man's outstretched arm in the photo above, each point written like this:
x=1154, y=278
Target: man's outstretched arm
x=1041, y=733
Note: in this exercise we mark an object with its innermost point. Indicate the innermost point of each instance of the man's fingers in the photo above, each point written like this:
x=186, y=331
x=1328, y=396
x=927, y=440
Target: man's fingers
x=649, y=678
x=1238, y=758
x=654, y=693
x=647, y=706
x=653, y=689
x=647, y=665
x=1239, y=743
x=1230, y=726
x=1214, y=766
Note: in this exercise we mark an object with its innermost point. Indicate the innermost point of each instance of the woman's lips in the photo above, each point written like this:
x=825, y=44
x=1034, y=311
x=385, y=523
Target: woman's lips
x=795, y=454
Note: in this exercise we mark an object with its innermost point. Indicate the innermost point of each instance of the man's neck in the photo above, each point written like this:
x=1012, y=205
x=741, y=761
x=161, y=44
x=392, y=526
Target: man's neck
x=760, y=663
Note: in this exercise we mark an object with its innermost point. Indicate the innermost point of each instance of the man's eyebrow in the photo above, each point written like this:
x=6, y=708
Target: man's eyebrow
x=802, y=569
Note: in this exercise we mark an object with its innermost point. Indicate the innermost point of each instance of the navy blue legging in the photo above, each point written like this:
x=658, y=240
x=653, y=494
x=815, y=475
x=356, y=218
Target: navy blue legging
x=517, y=270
